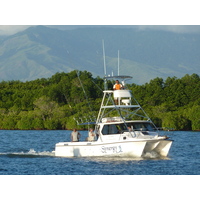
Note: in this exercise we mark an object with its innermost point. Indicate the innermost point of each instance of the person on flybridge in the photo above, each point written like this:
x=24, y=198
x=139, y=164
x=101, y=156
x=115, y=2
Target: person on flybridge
x=117, y=86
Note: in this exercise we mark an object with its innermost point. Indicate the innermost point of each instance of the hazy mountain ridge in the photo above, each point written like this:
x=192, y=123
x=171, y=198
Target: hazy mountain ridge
x=41, y=52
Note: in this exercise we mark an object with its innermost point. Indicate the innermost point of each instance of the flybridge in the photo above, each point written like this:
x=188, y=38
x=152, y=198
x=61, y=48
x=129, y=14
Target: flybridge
x=123, y=104
x=123, y=96
x=118, y=77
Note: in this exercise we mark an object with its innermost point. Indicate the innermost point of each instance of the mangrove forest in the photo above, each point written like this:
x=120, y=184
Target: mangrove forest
x=67, y=99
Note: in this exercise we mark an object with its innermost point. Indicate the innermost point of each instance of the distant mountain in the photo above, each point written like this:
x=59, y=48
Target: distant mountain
x=42, y=51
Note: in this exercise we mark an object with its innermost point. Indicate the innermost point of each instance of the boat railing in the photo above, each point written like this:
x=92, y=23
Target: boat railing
x=122, y=97
x=122, y=93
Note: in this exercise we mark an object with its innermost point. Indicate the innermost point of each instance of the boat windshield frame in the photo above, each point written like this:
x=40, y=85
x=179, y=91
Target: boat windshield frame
x=119, y=128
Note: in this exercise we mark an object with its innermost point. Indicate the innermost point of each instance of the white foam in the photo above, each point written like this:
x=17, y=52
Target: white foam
x=31, y=152
x=151, y=154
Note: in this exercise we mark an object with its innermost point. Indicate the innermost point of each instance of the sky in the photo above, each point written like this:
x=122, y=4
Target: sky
x=174, y=15
x=12, y=29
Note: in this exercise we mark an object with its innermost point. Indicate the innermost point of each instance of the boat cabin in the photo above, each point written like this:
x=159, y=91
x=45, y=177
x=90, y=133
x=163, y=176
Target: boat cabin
x=116, y=127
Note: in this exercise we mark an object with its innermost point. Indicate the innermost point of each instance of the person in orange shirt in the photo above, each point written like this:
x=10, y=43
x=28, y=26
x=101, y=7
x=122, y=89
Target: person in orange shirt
x=117, y=86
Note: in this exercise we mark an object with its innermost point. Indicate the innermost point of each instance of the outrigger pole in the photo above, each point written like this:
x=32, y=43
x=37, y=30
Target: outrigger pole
x=104, y=63
x=118, y=62
x=104, y=59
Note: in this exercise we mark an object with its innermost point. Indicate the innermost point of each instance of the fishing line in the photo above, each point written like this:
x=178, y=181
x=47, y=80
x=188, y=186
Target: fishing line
x=84, y=91
x=97, y=86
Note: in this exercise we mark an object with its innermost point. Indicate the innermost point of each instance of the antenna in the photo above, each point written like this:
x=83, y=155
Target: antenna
x=118, y=62
x=104, y=59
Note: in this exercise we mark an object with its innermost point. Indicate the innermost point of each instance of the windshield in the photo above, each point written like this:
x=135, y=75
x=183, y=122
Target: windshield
x=113, y=129
x=141, y=126
x=120, y=128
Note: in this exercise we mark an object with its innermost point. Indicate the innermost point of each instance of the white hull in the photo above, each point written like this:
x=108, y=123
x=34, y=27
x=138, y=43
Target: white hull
x=87, y=149
x=161, y=147
x=124, y=148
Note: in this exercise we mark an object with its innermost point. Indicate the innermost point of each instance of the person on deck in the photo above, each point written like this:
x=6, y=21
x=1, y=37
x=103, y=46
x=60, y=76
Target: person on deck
x=117, y=86
x=129, y=129
x=75, y=136
x=91, y=135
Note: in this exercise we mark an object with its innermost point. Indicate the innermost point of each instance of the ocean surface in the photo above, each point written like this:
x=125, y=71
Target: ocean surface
x=31, y=153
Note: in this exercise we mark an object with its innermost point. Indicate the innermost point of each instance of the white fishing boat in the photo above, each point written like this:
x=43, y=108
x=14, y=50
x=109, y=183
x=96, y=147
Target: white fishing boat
x=123, y=129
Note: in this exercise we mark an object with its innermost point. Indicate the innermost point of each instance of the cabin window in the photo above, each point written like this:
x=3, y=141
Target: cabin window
x=121, y=127
x=110, y=129
x=149, y=127
x=141, y=126
x=113, y=129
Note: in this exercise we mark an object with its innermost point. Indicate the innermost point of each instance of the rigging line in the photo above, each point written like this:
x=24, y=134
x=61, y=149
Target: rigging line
x=145, y=113
x=83, y=90
x=97, y=86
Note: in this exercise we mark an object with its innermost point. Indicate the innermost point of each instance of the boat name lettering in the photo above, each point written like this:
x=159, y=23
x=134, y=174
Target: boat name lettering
x=114, y=149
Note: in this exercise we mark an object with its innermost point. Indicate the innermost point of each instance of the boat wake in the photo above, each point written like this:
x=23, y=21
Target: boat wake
x=153, y=155
x=30, y=153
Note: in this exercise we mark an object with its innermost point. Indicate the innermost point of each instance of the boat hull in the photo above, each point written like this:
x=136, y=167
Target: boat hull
x=161, y=147
x=124, y=148
x=85, y=149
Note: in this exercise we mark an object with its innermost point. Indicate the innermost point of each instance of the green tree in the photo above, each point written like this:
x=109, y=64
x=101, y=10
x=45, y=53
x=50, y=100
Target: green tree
x=193, y=114
x=25, y=123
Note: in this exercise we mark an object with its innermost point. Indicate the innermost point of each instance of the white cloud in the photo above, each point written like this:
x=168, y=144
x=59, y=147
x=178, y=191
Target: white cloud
x=12, y=29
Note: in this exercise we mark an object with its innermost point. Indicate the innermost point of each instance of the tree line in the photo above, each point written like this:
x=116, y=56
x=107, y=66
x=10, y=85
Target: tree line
x=66, y=99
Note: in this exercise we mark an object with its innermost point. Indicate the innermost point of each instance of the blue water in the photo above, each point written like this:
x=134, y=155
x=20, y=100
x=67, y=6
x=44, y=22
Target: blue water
x=30, y=153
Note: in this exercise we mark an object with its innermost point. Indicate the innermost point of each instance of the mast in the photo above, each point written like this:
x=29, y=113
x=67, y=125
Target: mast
x=104, y=63
x=104, y=59
x=118, y=62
